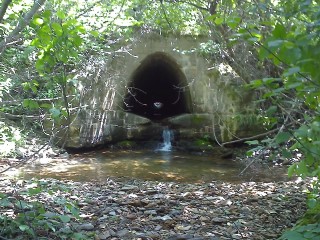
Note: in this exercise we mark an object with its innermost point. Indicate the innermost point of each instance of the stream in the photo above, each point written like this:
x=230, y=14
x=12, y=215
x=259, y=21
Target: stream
x=162, y=163
x=150, y=165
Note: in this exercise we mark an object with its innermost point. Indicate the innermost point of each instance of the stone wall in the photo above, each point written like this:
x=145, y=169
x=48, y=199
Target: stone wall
x=217, y=97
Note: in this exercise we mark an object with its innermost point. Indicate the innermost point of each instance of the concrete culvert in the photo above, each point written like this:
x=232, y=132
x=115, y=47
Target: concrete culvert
x=158, y=89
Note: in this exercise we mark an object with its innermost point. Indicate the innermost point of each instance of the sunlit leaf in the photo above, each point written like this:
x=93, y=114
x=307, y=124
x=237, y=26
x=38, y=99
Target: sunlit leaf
x=61, y=14
x=57, y=28
x=38, y=21
x=219, y=20
x=95, y=33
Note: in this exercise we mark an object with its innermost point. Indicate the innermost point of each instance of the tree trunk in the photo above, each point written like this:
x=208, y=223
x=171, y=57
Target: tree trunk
x=14, y=35
x=3, y=9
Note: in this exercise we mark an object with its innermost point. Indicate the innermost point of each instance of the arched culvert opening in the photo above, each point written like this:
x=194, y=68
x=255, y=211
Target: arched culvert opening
x=158, y=89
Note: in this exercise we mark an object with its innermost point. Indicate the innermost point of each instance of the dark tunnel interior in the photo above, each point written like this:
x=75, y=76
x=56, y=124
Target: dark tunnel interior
x=158, y=89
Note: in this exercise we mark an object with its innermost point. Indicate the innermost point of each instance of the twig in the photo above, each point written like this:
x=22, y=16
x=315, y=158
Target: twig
x=165, y=14
x=3, y=238
x=252, y=161
x=25, y=160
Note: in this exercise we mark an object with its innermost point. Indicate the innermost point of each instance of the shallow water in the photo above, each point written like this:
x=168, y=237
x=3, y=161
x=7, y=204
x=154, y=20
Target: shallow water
x=151, y=165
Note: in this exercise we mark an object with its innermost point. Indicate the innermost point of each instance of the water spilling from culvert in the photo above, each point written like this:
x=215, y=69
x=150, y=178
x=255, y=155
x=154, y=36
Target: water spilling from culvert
x=150, y=165
x=166, y=145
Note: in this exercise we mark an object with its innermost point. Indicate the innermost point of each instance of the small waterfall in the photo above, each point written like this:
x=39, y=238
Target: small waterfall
x=167, y=136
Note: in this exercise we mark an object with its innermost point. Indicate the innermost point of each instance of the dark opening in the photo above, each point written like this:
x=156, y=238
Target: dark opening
x=158, y=89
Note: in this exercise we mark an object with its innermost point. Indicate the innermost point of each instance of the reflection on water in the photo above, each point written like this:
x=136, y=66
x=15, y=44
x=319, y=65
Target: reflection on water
x=150, y=165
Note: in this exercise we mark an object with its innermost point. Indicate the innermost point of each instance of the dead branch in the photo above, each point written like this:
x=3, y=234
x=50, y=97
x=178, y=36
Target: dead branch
x=256, y=136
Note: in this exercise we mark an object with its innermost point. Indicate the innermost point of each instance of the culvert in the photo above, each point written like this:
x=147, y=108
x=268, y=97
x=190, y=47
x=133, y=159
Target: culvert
x=158, y=88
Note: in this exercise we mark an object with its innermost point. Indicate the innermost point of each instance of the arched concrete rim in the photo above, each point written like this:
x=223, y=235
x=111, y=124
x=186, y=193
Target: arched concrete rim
x=158, y=82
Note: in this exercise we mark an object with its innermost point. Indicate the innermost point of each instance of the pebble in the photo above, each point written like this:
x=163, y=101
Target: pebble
x=86, y=227
x=125, y=209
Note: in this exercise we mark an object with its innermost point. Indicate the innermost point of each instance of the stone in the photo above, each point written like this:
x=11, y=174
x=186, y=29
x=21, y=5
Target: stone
x=86, y=227
x=122, y=233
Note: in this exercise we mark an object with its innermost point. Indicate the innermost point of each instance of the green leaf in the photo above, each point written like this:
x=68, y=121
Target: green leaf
x=219, y=20
x=279, y=31
x=5, y=203
x=55, y=113
x=291, y=71
x=64, y=218
x=292, y=235
x=233, y=22
x=275, y=43
x=253, y=142
x=46, y=14
x=24, y=227
x=29, y=103
x=263, y=52
x=286, y=153
x=256, y=83
x=38, y=21
x=95, y=33
x=78, y=236
x=283, y=137
x=61, y=14
x=46, y=105
x=294, y=85
x=312, y=203
x=290, y=55
x=77, y=40
x=49, y=215
x=57, y=28
x=34, y=191
x=271, y=110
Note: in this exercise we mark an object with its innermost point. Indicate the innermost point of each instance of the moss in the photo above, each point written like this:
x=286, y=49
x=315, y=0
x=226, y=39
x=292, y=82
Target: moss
x=203, y=143
x=197, y=119
x=126, y=144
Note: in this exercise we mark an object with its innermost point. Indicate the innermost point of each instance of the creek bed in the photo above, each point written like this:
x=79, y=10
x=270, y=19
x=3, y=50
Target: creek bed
x=151, y=165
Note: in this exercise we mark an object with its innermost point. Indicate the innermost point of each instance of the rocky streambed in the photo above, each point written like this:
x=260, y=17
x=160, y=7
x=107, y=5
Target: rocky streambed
x=123, y=208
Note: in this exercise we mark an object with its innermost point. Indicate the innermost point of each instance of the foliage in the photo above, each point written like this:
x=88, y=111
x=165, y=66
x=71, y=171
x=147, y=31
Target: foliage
x=289, y=40
x=10, y=139
x=307, y=232
x=274, y=47
x=35, y=219
x=58, y=42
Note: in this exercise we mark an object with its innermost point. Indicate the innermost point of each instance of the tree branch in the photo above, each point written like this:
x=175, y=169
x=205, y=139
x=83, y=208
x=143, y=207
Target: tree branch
x=4, y=6
x=256, y=136
x=21, y=25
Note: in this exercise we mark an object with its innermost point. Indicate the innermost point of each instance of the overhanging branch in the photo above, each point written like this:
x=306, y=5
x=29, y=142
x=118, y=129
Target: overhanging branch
x=21, y=25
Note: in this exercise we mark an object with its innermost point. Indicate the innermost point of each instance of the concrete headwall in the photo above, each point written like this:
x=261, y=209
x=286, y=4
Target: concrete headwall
x=216, y=92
